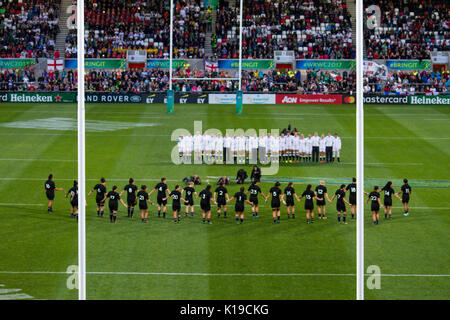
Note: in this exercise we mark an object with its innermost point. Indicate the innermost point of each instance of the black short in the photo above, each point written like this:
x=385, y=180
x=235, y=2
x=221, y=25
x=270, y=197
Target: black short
x=388, y=202
x=50, y=195
x=239, y=208
x=375, y=207
x=162, y=202
x=143, y=205
x=290, y=202
x=221, y=202
x=131, y=202
x=352, y=200
x=320, y=202
x=309, y=205
x=253, y=200
x=275, y=204
x=100, y=202
x=341, y=207
x=189, y=202
x=176, y=207
x=205, y=206
x=405, y=199
x=74, y=204
x=113, y=207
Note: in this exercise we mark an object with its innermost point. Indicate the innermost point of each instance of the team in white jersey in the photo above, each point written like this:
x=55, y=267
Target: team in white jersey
x=240, y=149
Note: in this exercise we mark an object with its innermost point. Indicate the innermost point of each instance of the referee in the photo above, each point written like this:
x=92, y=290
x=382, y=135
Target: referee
x=315, y=147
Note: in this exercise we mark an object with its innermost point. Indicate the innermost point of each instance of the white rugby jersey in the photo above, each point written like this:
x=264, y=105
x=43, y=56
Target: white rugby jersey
x=262, y=141
x=308, y=145
x=198, y=141
x=322, y=143
x=337, y=144
x=329, y=141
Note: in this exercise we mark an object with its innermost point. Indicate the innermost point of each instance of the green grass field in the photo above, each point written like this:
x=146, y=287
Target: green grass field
x=189, y=260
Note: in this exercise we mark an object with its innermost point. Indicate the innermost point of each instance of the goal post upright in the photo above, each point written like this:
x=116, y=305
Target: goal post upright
x=239, y=94
x=170, y=93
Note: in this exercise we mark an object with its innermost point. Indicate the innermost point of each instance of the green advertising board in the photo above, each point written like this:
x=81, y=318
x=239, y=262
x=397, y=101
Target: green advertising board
x=325, y=64
x=429, y=100
x=165, y=64
x=15, y=63
x=97, y=64
x=246, y=64
x=409, y=64
x=41, y=97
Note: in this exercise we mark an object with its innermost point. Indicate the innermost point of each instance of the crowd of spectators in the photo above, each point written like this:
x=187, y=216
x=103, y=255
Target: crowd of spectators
x=28, y=29
x=408, y=29
x=25, y=80
x=113, y=26
x=409, y=83
x=315, y=29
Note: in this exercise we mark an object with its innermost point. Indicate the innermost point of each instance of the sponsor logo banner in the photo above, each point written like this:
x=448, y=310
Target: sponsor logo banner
x=431, y=100
x=346, y=99
x=408, y=64
x=113, y=97
x=325, y=64
x=15, y=63
x=165, y=64
x=38, y=97
x=378, y=99
x=227, y=98
x=309, y=99
x=246, y=64
x=97, y=64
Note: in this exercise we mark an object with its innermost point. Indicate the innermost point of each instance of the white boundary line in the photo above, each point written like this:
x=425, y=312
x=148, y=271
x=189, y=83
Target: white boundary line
x=194, y=274
x=49, y=160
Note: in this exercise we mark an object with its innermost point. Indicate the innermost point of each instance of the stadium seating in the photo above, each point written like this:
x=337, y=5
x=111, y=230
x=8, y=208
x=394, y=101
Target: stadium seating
x=412, y=82
x=29, y=28
x=114, y=26
x=313, y=29
x=408, y=31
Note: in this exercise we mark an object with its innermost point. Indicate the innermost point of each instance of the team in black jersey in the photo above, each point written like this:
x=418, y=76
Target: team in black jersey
x=289, y=192
x=100, y=190
x=388, y=192
x=309, y=196
x=221, y=198
x=113, y=203
x=375, y=204
x=254, y=189
x=241, y=199
x=50, y=189
x=131, y=190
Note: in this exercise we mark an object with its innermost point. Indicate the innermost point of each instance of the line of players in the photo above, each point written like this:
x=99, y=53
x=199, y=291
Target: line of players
x=221, y=198
x=288, y=147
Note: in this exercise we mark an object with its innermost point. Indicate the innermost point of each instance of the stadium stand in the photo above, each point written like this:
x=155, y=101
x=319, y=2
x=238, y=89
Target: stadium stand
x=28, y=28
x=408, y=30
x=114, y=26
x=409, y=83
x=319, y=29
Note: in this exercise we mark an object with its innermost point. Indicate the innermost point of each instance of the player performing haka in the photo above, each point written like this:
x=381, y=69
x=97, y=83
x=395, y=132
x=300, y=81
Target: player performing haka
x=321, y=193
x=375, y=205
x=73, y=199
x=254, y=189
x=50, y=188
x=222, y=199
x=189, y=198
x=143, y=199
x=131, y=190
x=388, y=192
x=100, y=189
x=406, y=193
x=206, y=198
x=277, y=196
x=340, y=203
x=113, y=204
x=162, y=191
x=176, y=205
x=352, y=197
x=240, y=198
x=309, y=196
x=289, y=191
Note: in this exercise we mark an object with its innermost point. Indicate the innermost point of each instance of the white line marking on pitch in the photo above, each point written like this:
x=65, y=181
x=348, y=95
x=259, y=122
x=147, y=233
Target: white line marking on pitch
x=22, y=204
x=8, y=294
x=49, y=160
x=228, y=274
